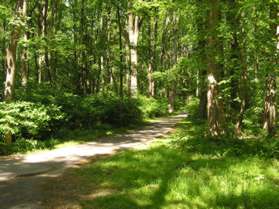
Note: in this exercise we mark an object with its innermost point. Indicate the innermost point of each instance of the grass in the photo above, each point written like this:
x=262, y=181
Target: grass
x=182, y=171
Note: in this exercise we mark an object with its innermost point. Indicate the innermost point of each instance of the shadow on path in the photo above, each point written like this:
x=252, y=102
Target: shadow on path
x=21, y=177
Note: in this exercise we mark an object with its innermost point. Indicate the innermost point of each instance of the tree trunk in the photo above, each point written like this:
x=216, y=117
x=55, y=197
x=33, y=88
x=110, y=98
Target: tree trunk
x=121, y=54
x=271, y=87
x=243, y=92
x=24, y=63
x=134, y=65
x=43, y=54
x=203, y=101
x=202, y=71
x=233, y=73
x=24, y=53
x=270, y=105
x=152, y=58
x=151, y=83
x=133, y=31
x=128, y=61
x=243, y=97
x=21, y=6
x=10, y=70
x=214, y=108
x=171, y=100
x=11, y=62
x=203, y=89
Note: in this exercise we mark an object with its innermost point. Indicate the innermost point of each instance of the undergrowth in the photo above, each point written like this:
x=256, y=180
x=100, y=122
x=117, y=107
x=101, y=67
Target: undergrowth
x=183, y=171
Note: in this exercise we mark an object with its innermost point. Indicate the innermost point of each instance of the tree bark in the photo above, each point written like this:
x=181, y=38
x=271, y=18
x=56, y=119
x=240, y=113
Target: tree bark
x=11, y=53
x=11, y=61
x=121, y=54
x=238, y=68
x=270, y=105
x=202, y=71
x=133, y=31
x=214, y=108
x=43, y=62
x=10, y=69
x=24, y=53
x=171, y=100
x=243, y=93
x=152, y=56
x=24, y=63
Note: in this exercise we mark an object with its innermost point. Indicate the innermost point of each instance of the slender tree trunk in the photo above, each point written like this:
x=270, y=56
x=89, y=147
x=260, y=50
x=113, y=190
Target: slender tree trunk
x=83, y=72
x=151, y=82
x=202, y=85
x=233, y=73
x=24, y=53
x=243, y=93
x=203, y=95
x=128, y=61
x=121, y=54
x=198, y=81
x=24, y=64
x=46, y=50
x=43, y=62
x=151, y=61
x=171, y=100
x=201, y=54
x=214, y=108
x=133, y=31
x=239, y=87
x=134, y=65
x=270, y=106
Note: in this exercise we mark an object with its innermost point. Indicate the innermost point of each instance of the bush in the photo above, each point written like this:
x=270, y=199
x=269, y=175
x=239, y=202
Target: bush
x=43, y=115
x=89, y=111
x=192, y=106
x=71, y=106
x=151, y=107
x=111, y=109
x=123, y=113
x=25, y=145
x=26, y=119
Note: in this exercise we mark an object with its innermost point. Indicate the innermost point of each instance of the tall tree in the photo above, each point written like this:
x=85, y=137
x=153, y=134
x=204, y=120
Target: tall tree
x=214, y=108
x=133, y=31
x=24, y=52
x=270, y=98
x=43, y=59
x=11, y=50
x=18, y=21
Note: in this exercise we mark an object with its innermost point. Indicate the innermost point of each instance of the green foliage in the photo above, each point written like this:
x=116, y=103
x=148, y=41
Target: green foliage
x=111, y=109
x=26, y=119
x=192, y=106
x=4, y=12
x=26, y=145
x=103, y=108
x=151, y=107
x=90, y=110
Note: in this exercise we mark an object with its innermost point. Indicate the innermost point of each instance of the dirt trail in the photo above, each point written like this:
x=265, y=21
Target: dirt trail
x=21, y=177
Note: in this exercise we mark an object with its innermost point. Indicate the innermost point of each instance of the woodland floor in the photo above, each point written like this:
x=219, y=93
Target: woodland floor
x=32, y=180
x=182, y=170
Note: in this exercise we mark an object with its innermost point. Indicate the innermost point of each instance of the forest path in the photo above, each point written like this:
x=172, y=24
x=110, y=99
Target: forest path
x=21, y=177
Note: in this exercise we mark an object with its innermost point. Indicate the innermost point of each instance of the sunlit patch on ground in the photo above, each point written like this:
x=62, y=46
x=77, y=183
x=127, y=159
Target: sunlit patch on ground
x=182, y=171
